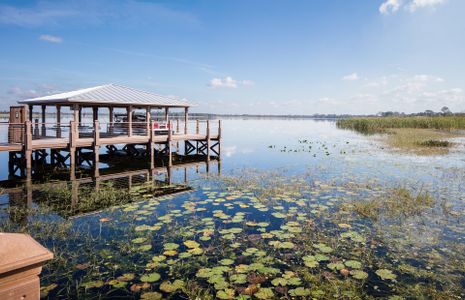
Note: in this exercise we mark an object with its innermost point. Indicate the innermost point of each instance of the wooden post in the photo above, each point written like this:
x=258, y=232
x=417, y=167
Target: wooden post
x=36, y=128
x=197, y=127
x=170, y=155
x=110, y=119
x=208, y=140
x=94, y=113
x=31, y=112
x=96, y=148
x=27, y=152
x=44, y=133
x=152, y=145
x=22, y=259
x=76, y=113
x=58, y=121
x=80, y=116
x=219, y=138
x=129, y=113
x=147, y=120
x=167, y=114
x=72, y=149
x=186, y=119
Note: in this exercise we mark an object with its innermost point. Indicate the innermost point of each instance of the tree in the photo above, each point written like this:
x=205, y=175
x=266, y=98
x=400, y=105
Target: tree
x=429, y=112
x=445, y=110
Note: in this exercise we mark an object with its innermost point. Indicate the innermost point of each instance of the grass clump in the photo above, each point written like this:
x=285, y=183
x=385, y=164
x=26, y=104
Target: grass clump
x=398, y=203
x=420, y=141
x=435, y=143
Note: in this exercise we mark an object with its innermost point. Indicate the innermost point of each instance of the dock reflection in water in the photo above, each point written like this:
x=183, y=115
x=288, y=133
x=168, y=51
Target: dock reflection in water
x=115, y=186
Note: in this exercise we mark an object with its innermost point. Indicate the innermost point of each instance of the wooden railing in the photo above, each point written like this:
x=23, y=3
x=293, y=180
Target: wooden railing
x=25, y=133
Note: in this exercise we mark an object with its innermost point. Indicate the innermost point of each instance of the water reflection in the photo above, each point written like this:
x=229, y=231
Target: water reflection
x=116, y=185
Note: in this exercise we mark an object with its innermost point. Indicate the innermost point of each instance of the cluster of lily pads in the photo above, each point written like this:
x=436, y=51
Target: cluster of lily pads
x=255, y=237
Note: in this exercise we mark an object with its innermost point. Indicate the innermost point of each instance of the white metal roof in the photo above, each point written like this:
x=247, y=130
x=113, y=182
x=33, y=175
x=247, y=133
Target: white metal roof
x=110, y=94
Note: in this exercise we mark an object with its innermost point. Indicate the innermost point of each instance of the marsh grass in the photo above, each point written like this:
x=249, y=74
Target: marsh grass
x=422, y=135
x=420, y=141
x=380, y=124
x=398, y=203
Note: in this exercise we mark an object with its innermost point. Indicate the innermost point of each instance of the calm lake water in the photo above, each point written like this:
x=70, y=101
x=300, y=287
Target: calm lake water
x=295, y=209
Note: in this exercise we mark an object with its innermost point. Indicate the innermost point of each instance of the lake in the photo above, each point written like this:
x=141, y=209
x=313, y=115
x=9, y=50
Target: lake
x=294, y=209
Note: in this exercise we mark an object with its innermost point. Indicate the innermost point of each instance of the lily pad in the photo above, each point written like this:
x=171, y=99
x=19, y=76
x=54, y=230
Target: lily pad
x=386, y=274
x=152, y=277
x=264, y=293
x=170, y=287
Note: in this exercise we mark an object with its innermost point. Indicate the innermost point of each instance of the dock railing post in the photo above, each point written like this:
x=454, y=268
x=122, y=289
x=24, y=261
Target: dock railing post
x=27, y=152
x=208, y=140
x=170, y=154
x=22, y=261
x=152, y=145
x=219, y=138
x=96, y=147
x=72, y=149
x=36, y=128
x=197, y=127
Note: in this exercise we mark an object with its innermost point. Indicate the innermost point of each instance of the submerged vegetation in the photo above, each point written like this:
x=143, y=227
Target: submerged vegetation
x=254, y=236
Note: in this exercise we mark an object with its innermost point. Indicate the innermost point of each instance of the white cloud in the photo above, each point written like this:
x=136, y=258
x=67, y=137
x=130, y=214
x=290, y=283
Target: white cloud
x=425, y=77
x=248, y=83
x=50, y=38
x=392, y=6
x=228, y=82
x=389, y=6
x=353, y=76
x=416, y=4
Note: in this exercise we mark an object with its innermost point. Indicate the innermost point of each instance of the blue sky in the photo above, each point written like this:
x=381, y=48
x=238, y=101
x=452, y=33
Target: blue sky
x=273, y=57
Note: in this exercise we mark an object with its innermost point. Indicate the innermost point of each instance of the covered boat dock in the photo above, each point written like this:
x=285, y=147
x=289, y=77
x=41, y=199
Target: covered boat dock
x=122, y=120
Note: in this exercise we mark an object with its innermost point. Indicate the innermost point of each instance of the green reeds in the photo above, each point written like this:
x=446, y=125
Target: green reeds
x=380, y=124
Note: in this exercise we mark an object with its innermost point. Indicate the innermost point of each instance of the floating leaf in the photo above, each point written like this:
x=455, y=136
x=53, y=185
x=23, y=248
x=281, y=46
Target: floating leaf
x=139, y=240
x=226, y=294
x=279, y=281
x=299, y=292
x=386, y=274
x=191, y=244
x=151, y=296
x=170, y=287
x=358, y=274
x=354, y=264
x=264, y=293
x=152, y=277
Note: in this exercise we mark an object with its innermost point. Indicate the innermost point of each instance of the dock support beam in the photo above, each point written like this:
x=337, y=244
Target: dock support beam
x=44, y=133
x=129, y=112
x=58, y=121
x=27, y=152
x=151, y=145
x=166, y=114
x=170, y=154
x=186, y=119
x=208, y=140
x=219, y=138
x=96, y=149
x=72, y=149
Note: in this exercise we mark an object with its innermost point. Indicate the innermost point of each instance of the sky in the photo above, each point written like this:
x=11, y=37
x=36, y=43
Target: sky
x=250, y=57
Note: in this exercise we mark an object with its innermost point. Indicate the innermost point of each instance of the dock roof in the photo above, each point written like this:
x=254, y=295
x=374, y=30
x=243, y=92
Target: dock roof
x=109, y=95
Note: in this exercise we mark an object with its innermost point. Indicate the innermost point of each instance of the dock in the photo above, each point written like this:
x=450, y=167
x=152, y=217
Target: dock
x=142, y=128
